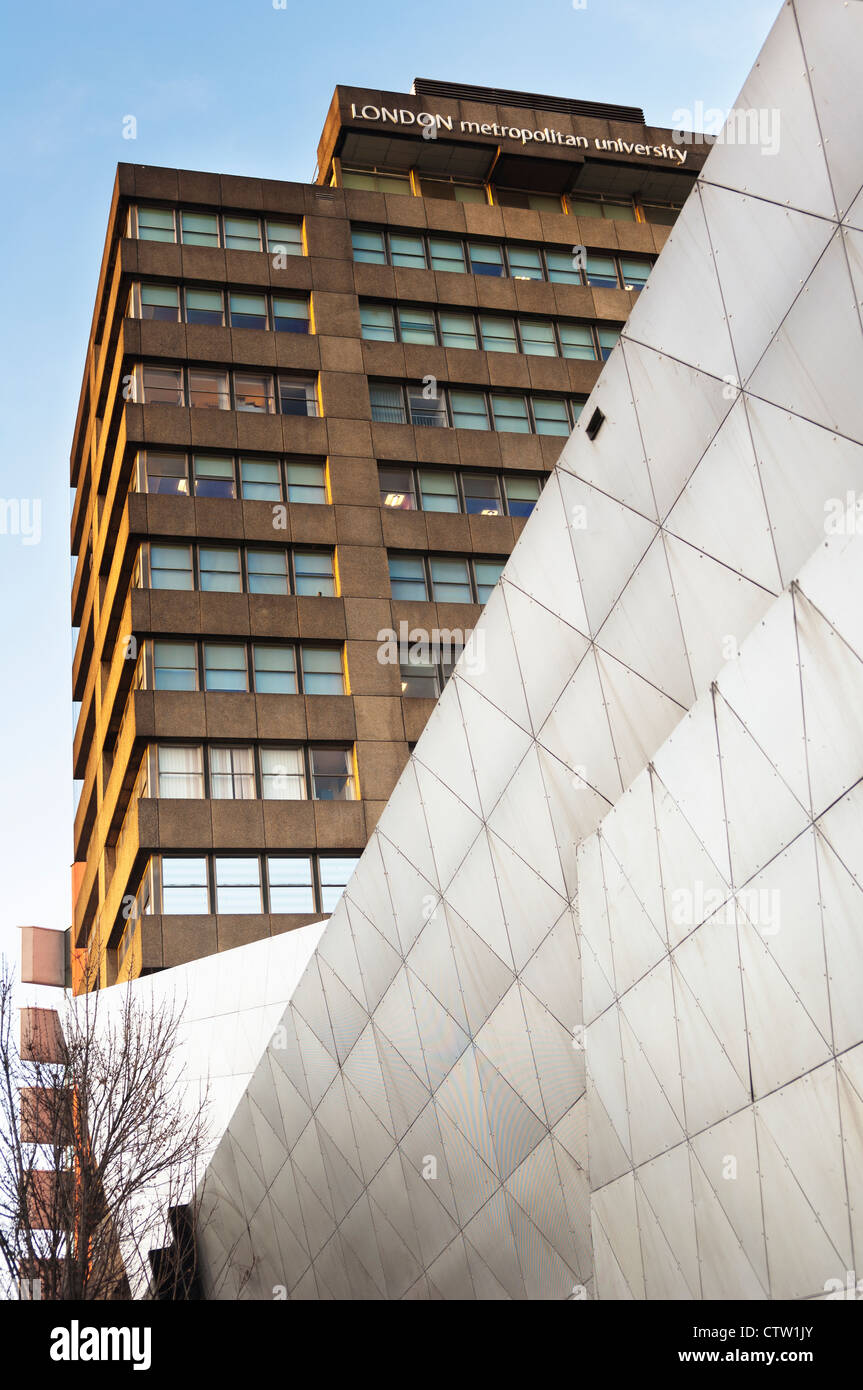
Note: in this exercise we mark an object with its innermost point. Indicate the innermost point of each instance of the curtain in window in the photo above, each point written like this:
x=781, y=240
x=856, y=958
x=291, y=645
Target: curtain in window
x=180, y=772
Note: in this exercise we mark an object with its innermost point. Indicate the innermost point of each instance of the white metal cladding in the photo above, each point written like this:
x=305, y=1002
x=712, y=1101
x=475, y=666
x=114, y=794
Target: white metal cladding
x=587, y=1017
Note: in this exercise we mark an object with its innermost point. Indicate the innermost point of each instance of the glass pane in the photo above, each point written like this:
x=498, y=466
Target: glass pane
x=260, y=480
x=297, y=396
x=376, y=321
x=290, y=883
x=601, y=271
x=155, y=224
x=204, y=306
x=419, y=681
x=200, y=228
x=426, y=411
x=634, y=272
x=224, y=667
x=561, y=269
x=181, y=772
x=387, y=404
x=267, y=571
x=291, y=315
x=171, y=567
x=485, y=260
x=457, y=330
x=487, y=573
x=439, y=492
x=620, y=212
x=481, y=495
x=525, y=262
x=163, y=386
x=446, y=254
x=332, y=778
x=322, y=671
x=253, y=392
x=232, y=774
x=468, y=410
x=450, y=581
x=184, y=885
x=576, y=340
x=335, y=874
x=521, y=495
x=608, y=341
x=160, y=302
x=417, y=326
x=498, y=334
x=537, y=337
x=313, y=573
x=175, y=666
x=407, y=577
x=407, y=251
x=369, y=246
x=283, y=774
x=243, y=233
x=209, y=390
x=238, y=885
x=214, y=477
x=510, y=414
x=285, y=238
x=220, y=569
x=551, y=416
x=166, y=473
x=275, y=670
x=248, y=310
x=397, y=489
x=307, y=482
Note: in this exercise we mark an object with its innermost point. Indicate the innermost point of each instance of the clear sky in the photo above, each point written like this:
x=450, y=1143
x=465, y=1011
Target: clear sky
x=233, y=86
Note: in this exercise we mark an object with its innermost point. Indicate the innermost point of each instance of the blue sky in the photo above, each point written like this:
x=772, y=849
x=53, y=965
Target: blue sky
x=235, y=86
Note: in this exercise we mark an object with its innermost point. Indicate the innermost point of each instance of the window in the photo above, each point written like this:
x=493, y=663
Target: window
x=291, y=884
x=450, y=581
x=225, y=666
x=537, y=337
x=618, y=210
x=664, y=214
x=388, y=404
x=156, y=224
x=166, y=473
x=426, y=410
x=268, y=572
x=214, y=477
x=375, y=183
x=469, y=410
x=376, y=323
x=576, y=340
x=200, y=228
x=522, y=495
x=634, y=272
x=485, y=260
x=260, y=480
x=407, y=251
x=601, y=271
x=242, y=233
x=520, y=198
x=510, y=414
x=551, y=416
x=332, y=774
x=204, y=306
x=220, y=570
x=417, y=326
x=232, y=774
x=407, y=577
x=184, y=885
x=275, y=670
x=238, y=884
x=285, y=238
x=487, y=573
x=481, y=494
x=525, y=262
x=334, y=878
x=397, y=488
x=446, y=254
x=453, y=192
x=160, y=302
x=253, y=392
x=283, y=776
x=209, y=390
x=307, y=483
x=181, y=772
x=498, y=333
x=162, y=385
x=171, y=567
x=290, y=314
x=297, y=396
x=608, y=341
x=562, y=269
x=248, y=310
x=457, y=330
x=419, y=680
x=369, y=247
x=313, y=573
x=322, y=671
x=175, y=666
x=438, y=491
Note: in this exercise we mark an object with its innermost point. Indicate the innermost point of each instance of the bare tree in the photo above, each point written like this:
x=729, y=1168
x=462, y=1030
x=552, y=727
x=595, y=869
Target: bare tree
x=101, y=1143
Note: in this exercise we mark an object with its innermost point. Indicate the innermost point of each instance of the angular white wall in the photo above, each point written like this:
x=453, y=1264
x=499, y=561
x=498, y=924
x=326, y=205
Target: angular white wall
x=439, y=1114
